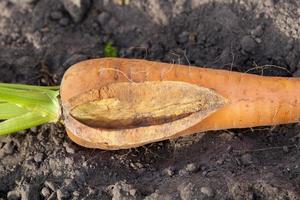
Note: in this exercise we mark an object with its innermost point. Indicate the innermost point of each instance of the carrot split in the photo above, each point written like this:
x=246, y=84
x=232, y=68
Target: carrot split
x=116, y=103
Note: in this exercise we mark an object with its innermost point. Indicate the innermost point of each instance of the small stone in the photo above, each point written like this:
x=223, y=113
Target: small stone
x=77, y=8
x=38, y=157
x=269, y=3
x=207, y=191
x=212, y=173
x=76, y=194
x=33, y=129
x=50, y=185
x=229, y=148
x=258, y=40
x=45, y=192
x=183, y=37
x=69, y=161
x=62, y=194
x=192, y=167
x=30, y=165
x=64, y=21
x=183, y=172
x=247, y=159
x=132, y=192
x=56, y=15
x=170, y=171
x=220, y=161
x=248, y=44
x=13, y=195
x=103, y=18
x=187, y=191
x=9, y=147
x=258, y=31
x=69, y=148
x=285, y=149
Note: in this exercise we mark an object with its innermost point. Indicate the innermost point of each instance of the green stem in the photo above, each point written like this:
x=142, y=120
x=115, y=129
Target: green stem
x=26, y=106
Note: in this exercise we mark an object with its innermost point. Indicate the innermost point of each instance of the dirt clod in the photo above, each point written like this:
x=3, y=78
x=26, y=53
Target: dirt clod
x=13, y=195
x=247, y=159
x=248, y=44
x=38, y=157
x=76, y=8
x=191, y=167
x=45, y=192
x=207, y=191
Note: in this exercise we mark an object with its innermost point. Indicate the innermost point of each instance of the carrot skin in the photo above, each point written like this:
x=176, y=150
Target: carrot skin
x=253, y=100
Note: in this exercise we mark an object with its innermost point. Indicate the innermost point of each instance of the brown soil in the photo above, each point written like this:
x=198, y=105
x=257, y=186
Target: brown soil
x=40, y=39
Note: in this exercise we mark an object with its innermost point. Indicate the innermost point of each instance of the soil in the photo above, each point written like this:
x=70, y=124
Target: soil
x=40, y=39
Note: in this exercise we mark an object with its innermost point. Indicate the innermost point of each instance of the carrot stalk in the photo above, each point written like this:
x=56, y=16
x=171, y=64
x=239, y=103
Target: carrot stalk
x=26, y=106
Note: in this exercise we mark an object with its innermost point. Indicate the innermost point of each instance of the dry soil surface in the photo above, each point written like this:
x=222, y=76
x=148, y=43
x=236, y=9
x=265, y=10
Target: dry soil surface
x=40, y=39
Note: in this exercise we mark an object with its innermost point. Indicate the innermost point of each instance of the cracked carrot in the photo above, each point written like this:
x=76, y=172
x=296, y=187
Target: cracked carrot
x=126, y=87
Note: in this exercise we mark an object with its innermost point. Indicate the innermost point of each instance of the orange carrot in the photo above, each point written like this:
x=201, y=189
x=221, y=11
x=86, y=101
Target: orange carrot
x=249, y=100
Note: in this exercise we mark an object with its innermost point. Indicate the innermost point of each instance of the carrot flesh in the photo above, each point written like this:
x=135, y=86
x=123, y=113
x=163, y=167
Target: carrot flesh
x=253, y=100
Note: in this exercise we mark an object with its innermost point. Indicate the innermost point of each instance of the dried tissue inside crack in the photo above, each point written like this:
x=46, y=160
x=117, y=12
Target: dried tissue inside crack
x=126, y=105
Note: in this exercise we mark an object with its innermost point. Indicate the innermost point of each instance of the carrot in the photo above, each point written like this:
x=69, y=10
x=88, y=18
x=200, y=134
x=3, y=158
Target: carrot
x=126, y=86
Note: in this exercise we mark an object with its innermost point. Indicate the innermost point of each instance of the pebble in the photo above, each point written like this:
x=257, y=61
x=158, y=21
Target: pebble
x=103, y=18
x=76, y=194
x=183, y=172
x=64, y=21
x=170, y=171
x=62, y=194
x=69, y=148
x=269, y=3
x=191, y=167
x=77, y=8
x=50, y=185
x=257, y=32
x=258, y=40
x=34, y=129
x=183, y=37
x=207, y=191
x=13, y=195
x=69, y=161
x=38, y=157
x=247, y=159
x=56, y=15
x=8, y=148
x=248, y=44
x=45, y=192
x=30, y=165
x=285, y=149
x=187, y=191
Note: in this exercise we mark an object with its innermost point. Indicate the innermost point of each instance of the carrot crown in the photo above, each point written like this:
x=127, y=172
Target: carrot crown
x=27, y=106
